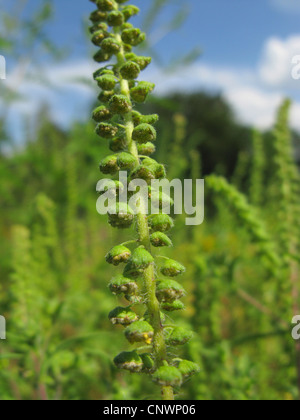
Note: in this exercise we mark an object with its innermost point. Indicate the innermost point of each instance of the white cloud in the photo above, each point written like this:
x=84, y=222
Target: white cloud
x=275, y=68
x=66, y=98
x=289, y=6
x=253, y=101
x=253, y=93
x=254, y=106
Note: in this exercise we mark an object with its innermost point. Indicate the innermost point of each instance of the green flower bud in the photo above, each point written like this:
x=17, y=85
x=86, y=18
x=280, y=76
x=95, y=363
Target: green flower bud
x=126, y=161
x=158, y=169
x=98, y=37
x=120, y=104
x=148, y=363
x=117, y=144
x=127, y=48
x=111, y=46
x=123, y=218
x=188, y=368
x=122, y=316
x=167, y=376
x=136, y=117
x=144, y=119
x=143, y=62
x=133, y=36
x=146, y=149
x=140, y=92
x=105, y=5
x=106, y=95
x=101, y=114
x=126, y=25
x=131, y=271
x=121, y=1
x=130, y=70
x=160, y=173
x=172, y=306
x=144, y=133
x=118, y=254
x=98, y=26
x=129, y=11
x=169, y=291
x=109, y=165
x=159, y=239
x=98, y=16
x=161, y=222
x=121, y=284
x=101, y=72
x=129, y=360
x=102, y=56
x=106, y=82
x=115, y=18
x=139, y=331
x=106, y=130
x=179, y=336
x=141, y=258
x=172, y=268
x=141, y=172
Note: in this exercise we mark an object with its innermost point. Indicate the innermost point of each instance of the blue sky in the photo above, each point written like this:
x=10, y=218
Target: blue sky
x=247, y=50
x=230, y=32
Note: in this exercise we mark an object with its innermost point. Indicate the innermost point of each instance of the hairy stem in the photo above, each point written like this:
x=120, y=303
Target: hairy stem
x=159, y=345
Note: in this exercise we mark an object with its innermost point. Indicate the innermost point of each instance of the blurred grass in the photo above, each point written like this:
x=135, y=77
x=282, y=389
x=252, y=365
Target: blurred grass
x=53, y=289
x=54, y=279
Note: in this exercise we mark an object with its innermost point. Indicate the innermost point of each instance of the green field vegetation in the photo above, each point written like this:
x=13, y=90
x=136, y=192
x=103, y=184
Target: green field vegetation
x=242, y=263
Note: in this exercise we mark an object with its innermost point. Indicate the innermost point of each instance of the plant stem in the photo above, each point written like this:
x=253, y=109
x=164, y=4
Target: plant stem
x=159, y=345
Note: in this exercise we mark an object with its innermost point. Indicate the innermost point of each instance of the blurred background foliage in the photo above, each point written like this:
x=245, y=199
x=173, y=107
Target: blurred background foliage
x=243, y=262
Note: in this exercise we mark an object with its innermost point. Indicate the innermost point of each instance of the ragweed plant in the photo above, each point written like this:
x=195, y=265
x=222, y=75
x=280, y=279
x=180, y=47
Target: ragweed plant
x=131, y=137
x=274, y=229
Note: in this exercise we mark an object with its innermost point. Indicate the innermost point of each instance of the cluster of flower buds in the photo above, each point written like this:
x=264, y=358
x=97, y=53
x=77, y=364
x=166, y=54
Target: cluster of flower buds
x=131, y=137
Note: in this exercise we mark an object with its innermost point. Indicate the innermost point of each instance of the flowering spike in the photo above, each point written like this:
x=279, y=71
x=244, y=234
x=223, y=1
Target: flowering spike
x=131, y=135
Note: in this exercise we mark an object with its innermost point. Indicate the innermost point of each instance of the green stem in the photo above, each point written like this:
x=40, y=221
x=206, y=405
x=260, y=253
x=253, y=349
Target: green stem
x=159, y=344
x=129, y=242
